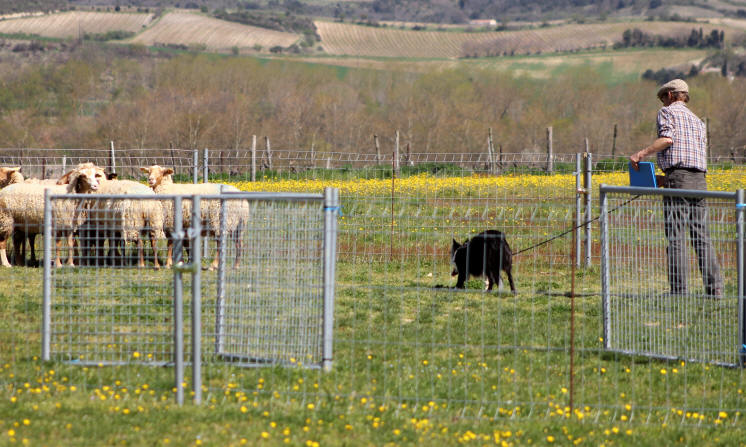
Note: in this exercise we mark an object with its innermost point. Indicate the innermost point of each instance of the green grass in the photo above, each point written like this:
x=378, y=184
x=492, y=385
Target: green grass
x=414, y=363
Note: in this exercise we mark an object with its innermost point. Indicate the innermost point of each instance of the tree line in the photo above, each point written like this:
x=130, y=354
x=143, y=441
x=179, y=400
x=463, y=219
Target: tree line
x=635, y=37
x=94, y=95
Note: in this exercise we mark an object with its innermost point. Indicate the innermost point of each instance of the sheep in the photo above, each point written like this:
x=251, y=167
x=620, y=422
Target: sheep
x=121, y=221
x=8, y=176
x=22, y=205
x=236, y=211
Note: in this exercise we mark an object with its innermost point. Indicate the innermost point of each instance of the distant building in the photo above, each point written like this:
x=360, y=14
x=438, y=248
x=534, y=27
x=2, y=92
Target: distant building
x=483, y=22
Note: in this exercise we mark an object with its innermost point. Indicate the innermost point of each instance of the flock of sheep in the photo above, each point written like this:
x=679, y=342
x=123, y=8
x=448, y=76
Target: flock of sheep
x=86, y=224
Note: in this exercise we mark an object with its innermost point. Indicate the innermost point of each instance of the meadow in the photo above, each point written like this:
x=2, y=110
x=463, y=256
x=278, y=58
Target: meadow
x=414, y=361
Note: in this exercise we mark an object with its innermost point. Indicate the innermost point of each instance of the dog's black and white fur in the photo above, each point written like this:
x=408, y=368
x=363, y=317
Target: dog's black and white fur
x=484, y=255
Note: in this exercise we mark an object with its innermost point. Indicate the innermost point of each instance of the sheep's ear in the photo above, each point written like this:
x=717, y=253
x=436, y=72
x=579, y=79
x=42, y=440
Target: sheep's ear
x=72, y=184
x=168, y=171
x=145, y=170
x=65, y=179
x=18, y=169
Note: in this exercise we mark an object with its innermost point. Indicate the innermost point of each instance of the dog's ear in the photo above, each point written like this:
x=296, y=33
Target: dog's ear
x=455, y=246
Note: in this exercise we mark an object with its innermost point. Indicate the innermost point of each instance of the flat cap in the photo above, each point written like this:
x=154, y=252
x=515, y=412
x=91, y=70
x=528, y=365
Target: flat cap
x=677, y=85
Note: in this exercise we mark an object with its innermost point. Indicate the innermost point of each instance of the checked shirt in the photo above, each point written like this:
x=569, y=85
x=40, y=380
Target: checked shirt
x=689, y=148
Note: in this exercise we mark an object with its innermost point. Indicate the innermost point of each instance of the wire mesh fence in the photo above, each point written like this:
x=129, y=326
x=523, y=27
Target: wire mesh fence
x=261, y=163
x=672, y=270
x=402, y=334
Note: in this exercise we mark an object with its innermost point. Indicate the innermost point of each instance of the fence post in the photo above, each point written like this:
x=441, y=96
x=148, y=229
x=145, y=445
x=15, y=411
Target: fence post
x=64, y=164
x=268, y=149
x=613, y=142
x=331, y=209
x=221, y=280
x=587, y=187
x=178, y=302
x=550, y=151
x=195, y=167
x=112, y=160
x=378, y=149
x=741, y=242
x=578, y=205
x=253, y=158
x=605, y=294
x=196, y=259
x=205, y=169
x=46, y=324
x=490, y=152
x=396, y=153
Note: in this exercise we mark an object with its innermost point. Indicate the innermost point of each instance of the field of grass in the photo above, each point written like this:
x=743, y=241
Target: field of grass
x=616, y=66
x=414, y=363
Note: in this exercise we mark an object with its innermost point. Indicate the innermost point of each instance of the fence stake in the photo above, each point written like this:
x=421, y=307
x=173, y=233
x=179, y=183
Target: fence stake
x=550, y=151
x=268, y=149
x=112, y=160
x=47, y=298
x=253, y=158
x=490, y=153
x=205, y=169
x=396, y=153
x=331, y=207
x=605, y=293
x=64, y=164
x=378, y=149
x=572, y=322
x=195, y=166
x=393, y=185
x=178, y=303
x=588, y=206
x=196, y=257
x=173, y=156
x=221, y=280
x=578, y=205
x=613, y=142
x=741, y=229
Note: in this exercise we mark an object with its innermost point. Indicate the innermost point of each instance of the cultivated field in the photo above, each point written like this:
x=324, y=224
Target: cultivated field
x=194, y=29
x=76, y=23
x=356, y=40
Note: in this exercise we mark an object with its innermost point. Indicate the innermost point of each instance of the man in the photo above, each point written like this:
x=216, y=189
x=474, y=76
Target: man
x=681, y=151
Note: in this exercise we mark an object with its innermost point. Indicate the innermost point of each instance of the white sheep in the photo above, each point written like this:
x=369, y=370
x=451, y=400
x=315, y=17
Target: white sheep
x=8, y=176
x=22, y=205
x=236, y=211
x=123, y=220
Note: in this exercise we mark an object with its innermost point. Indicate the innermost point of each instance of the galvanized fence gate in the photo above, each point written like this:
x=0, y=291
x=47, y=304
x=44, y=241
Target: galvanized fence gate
x=672, y=273
x=261, y=294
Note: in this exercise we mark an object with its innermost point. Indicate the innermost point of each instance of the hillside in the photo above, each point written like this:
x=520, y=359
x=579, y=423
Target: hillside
x=185, y=28
x=75, y=23
x=366, y=41
x=433, y=11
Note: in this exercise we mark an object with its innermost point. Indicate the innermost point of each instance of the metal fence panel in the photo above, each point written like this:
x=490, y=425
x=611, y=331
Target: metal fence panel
x=122, y=316
x=647, y=310
x=270, y=290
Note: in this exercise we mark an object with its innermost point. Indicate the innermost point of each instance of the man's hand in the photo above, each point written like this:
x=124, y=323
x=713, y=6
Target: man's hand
x=635, y=160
